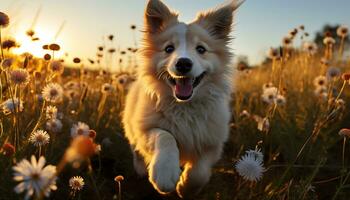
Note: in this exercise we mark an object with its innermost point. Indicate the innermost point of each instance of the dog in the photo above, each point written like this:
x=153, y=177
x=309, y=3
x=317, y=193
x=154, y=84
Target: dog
x=177, y=112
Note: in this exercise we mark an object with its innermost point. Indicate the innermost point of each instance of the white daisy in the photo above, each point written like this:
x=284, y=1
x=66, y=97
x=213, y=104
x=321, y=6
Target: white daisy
x=280, y=100
x=256, y=153
x=54, y=125
x=34, y=177
x=310, y=47
x=320, y=81
x=79, y=129
x=53, y=93
x=39, y=138
x=250, y=167
x=269, y=95
x=76, y=183
x=51, y=112
x=12, y=105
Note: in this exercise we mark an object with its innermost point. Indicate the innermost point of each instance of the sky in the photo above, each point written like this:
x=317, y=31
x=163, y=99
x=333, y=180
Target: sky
x=259, y=24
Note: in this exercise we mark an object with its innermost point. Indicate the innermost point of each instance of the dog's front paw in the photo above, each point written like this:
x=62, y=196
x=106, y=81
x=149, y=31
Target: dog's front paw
x=164, y=173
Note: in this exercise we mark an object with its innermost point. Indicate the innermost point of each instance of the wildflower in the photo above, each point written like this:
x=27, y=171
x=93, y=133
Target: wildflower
x=293, y=33
x=47, y=57
x=320, y=81
x=250, y=167
x=344, y=132
x=333, y=72
x=342, y=31
x=54, y=125
x=245, y=114
x=4, y=20
x=310, y=47
x=19, y=77
x=287, y=41
x=51, y=112
x=53, y=93
x=12, y=105
x=280, y=100
x=76, y=183
x=119, y=178
x=329, y=41
x=8, y=149
x=273, y=53
x=76, y=60
x=79, y=129
x=39, y=138
x=7, y=63
x=9, y=43
x=34, y=177
x=56, y=67
x=54, y=47
x=106, y=88
x=267, y=85
x=256, y=153
x=346, y=76
x=269, y=95
x=81, y=148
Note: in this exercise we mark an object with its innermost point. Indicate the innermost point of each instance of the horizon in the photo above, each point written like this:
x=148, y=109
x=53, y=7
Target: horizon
x=80, y=34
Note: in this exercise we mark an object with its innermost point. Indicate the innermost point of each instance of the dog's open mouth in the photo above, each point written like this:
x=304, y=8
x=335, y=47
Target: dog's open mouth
x=183, y=86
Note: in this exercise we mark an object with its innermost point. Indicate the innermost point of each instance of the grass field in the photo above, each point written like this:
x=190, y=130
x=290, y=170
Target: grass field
x=294, y=108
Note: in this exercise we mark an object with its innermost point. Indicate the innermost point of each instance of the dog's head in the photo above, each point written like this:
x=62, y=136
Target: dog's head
x=179, y=58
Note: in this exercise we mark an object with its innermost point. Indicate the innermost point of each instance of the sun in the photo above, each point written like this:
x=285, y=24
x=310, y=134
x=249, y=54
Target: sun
x=35, y=47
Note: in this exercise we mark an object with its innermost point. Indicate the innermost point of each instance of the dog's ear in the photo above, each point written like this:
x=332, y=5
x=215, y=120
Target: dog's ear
x=219, y=21
x=158, y=16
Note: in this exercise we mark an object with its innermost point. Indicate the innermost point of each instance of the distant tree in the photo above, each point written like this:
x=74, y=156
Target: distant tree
x=332, y=30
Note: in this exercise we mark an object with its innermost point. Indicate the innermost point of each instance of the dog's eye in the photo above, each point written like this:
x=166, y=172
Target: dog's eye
x=169, y=49
x=200, y=49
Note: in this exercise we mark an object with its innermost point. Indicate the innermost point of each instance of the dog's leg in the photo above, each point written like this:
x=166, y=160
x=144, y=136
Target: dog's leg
x=196, y=175
x=164, y=168
x=139, y=164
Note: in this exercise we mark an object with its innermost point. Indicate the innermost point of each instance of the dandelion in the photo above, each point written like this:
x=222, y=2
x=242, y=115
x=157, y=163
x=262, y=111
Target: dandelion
x=256, y=153
x=51, y=112
x=76, y=183
x=333, y=72
x=56, y=67
x=320, y=81
x=328, y=41
x=280, y=100
x=4, y=20
x=34, y=177
x=342, y=31
x=269, y=95
x=39, y=138
x=53, y=93
x=19, y=77
x=54, y=125
x=310, y=47
x=250, y=167
x=79, y=129
x=12, y=105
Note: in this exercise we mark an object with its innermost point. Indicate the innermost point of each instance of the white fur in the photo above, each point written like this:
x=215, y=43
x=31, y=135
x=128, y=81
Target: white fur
x=165, y=133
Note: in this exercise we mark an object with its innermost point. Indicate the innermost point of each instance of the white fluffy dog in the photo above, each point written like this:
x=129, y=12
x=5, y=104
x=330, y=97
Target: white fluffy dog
x=177, y=112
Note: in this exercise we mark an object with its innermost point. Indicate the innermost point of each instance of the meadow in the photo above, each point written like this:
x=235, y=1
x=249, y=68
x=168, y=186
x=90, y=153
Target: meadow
x=61, y=135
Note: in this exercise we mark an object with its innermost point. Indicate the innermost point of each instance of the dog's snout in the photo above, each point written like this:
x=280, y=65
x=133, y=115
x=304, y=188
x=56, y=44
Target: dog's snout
x=184, y=65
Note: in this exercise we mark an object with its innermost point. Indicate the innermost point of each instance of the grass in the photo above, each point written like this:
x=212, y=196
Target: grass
x=304, y=156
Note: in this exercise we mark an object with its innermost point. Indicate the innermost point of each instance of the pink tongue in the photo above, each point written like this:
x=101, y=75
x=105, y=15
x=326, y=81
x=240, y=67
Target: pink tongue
x=183, y=87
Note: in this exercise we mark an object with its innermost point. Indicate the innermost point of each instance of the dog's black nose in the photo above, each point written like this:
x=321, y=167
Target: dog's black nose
x=184, y=65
